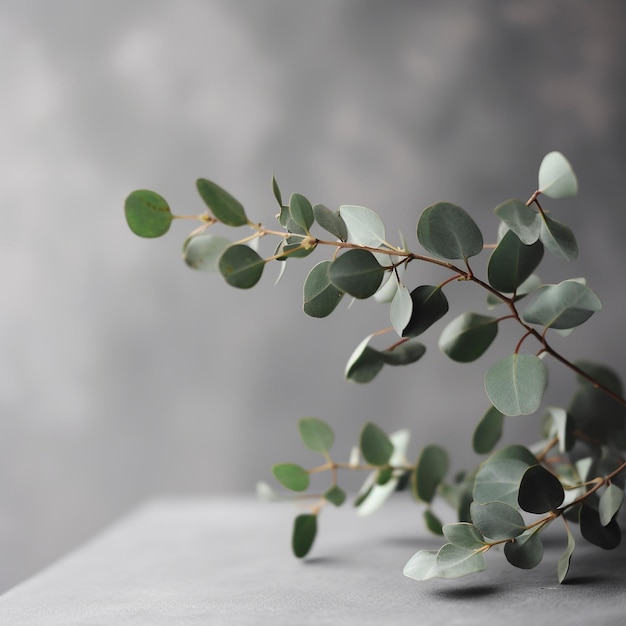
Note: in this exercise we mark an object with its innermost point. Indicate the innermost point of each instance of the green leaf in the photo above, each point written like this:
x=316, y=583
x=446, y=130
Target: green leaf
x=304, y=531
x=563, y=428
x=526, y=551
x=565, y=305
x=521, y=219
x=375, y=446
x=515, y=385
x=610, y=503
x=512, y=262
x=558, y=239
x=606, y=536
x=488, y=431
x=454, y=562
x=566, y=557
x=335, y=495
x=468, y=336
x=528, y=286
x=365, y=227
x=447, y=231
x=515, y=451
x=320, y=296
x=330, y=221
x=497, y=520
x=203, y=252
x=286, y=221
x=498, y=481
x=464, y=535
x=556, y=177
x=601, y=373
x=401, y=309
x=422, y=565
x=364, y=363
x=430, y=469
x=404, y=353
x=147, y=213
x=540, y=491
x=596, y=414
x=241, y=266
x=292, y=476
x=316, y=434
x=291, y=247
x=224, y=207
x=357, y=272
x=429, y=305
x=276, y=190
x=432, y=522
x=301, y=211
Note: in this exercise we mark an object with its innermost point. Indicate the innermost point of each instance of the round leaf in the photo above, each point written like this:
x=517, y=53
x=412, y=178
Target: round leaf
x=316, y=434
x=447, y=231
x=203, y=252
x=430, y=470
x=357, y=272
x=540, y=490
x=521, y=219
x=610, y=503
x=525, y=552
x=224, y=207
x=429, y=305
x=558, y=239
x=303, y=536
x=515, y=451
x=376, y=447
x=464, y=535
x=497, y=520
x=591, y=528
x=364, y=363
x=556, y=177
x=563, y=306
x=147, y=213
x=515, y=385
x=454, y=562
x=467, y=337
x=364, y=226
x=241, y=266
x=335, y=495
x=422, y=565
x=512, y=262
x=291, y=476
x=404, y=353
x=498, y=481
x=320, y=296
x=488, y=431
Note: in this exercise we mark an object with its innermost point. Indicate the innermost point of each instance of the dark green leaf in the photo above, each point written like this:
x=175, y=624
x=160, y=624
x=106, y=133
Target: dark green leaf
x=376, y=447
x=291, y=476
x=301, y=211
x=602, y=374
x=447, y=231
x=304, y=531
x=596, y=414
x=558, y=239
x=512, y=262
x=335, y=495
x=147, y=213
x=330, y=221
x=241, y=266
x=540, y=491
x=562, y=306
x=316, y=434
x=591, y=528
x=515, y=385
x=364, y=363
x=403, y=354
x=224, y=207
x=277, y=194
x=532, y=283
x=432, y=522
x=520, y=453
x=287, y=222
x=430, y=470
x=497, y=520
x=467, y=337
x=488, y=431
x=429, y=305
x=526, y=551
x=521, y=219
x=357, y=272
x=320, y=296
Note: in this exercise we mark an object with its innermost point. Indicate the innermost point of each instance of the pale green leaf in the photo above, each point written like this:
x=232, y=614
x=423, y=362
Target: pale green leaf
x=556, y=177
x=566, y=557
x=365, y=227
x=498, y=481
x=316, y=434
x=521, y=219
x=497, y=520
x=203, y=252
x=558, y=239
x=401, y=309
x=464, y=535
x=610, y=503
x=422, y=565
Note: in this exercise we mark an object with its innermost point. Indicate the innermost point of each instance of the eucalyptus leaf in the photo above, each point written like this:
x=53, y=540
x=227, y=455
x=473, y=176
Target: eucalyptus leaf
x=521, y=219
x=610, y=503
x=430, y=469
x=292, y=476
x=303, y=535
x=376, y=447
x=566, y=557
x=512, y=262
x=429, y=305
x=316, y=434
x=301, y=211
x=335, y=495
x=432, y=522
x=147, y=213
x=330, y=221
x=357, y=272
x=364, y=363
x=403, y=353
x=401, y=309
x=422, y=565
x=464, y=535
x=497, y=520
x=276, y=190
x=526, y=551
x=556, y=177
x=499, y=480
x=488, y=431
x=558, y=239
x=446, y=230
x=203, y=252
x=224, y=207
x=468, y=336
x=540, y=491
x=606, y=536
x=454, y=562
x=565, y=305
x=514, y=451
x=515, y=385
x=365, y=227
x=564, y=427
x=320, y=295
x=241, y=266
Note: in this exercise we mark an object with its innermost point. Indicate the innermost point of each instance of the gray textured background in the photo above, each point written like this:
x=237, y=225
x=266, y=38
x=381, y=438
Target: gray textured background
x=122, y=373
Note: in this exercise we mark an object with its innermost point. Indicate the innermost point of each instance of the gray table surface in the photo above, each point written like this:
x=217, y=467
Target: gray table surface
x=227, y=561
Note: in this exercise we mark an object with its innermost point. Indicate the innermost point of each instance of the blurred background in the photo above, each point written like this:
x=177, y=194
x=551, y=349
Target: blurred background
x=125, y=375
